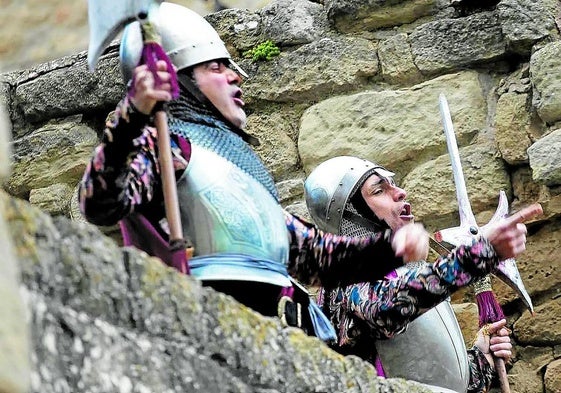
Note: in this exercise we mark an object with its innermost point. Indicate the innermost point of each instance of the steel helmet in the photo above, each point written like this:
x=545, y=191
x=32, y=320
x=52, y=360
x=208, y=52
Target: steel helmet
x=187, y=38
x=329, y=188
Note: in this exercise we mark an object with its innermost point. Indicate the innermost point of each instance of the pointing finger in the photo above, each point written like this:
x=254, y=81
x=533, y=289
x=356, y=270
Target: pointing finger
x=525, y=214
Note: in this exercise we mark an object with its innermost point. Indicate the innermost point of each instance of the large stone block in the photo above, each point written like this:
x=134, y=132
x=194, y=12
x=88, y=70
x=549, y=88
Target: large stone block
x=314, y=71
x=544, y=159
x=55, y=153
x=432, y=191
x=358, y=15
x=525, y=22
x=400, y=129
x=545, y=72
x=544, y=328
x=447, y=44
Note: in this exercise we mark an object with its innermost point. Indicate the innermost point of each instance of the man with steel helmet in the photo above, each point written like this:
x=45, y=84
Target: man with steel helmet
x=245, y=244
x=409, y=305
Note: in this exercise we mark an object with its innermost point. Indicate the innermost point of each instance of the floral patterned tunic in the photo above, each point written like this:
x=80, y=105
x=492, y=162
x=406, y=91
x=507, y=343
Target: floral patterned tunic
x=123, y=177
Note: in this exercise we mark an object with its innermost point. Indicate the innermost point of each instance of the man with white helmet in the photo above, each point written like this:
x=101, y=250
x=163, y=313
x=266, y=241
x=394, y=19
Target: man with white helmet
x=245, y=244
x=409, y=305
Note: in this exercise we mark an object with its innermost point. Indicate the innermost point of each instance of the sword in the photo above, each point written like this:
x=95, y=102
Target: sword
x=468, y=228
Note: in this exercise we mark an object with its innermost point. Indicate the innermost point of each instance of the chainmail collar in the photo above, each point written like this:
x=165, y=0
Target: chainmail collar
x=195, y=121
x=193, y=107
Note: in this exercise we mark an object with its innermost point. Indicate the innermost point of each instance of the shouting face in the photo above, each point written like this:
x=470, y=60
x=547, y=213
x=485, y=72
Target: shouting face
x=221, y=85
x=387, y=201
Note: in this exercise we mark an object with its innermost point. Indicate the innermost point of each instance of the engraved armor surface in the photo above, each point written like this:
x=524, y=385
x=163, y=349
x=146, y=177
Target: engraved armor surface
x=221, y=219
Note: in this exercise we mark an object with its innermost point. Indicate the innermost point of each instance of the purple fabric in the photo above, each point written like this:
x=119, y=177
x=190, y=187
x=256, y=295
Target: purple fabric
x=287, y=291
x=489, y=308
x=379, y=368
x=152, y=52
x=137, y=231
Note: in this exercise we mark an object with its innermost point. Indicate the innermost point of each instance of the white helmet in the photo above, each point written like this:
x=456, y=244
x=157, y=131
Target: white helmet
x=329, y=189
x=187, y=38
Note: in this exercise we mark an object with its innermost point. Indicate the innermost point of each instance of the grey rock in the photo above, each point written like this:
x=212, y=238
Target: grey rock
x=65, y=148
x=313, y=71
x=114, y=319
x=239, y=29
x=294, y=22
x=15, y=341
x=524, y=22
x=53, y=199
x=68, y=88
x=446, y=44
x=357, y=15
x=544, y=159
x=545, y=73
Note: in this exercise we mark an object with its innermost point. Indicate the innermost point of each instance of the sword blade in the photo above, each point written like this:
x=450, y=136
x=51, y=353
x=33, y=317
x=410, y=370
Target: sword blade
x=466, y=214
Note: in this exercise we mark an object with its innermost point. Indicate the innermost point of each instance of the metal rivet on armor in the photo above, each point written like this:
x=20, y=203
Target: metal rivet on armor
x=473, y=230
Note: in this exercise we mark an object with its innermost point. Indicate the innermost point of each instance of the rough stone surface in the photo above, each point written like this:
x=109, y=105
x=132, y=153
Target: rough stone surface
x=239, y=29
x=277, y=149
x=539, y=267
x=294, y=22
x=513, y=129
x=542, y=329
x=115, y=319
x=55, y=153
x=325, y=67
x=53, y=199
x=357, y=15
x=70, y=88
x=544, y=159
x=552, y=377
x=446, y=44
x=466, y=313
x=15, y=368
x=545, y=70
x=484, y=176
x=524, y=22
x=400, y=128
x=396, y=60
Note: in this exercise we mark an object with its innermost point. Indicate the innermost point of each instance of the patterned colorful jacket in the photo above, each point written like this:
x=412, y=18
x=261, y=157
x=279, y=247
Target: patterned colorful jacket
x=122, y=182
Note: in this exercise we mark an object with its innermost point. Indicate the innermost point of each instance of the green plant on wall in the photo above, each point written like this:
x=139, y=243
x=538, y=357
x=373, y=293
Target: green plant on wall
x=264, y=51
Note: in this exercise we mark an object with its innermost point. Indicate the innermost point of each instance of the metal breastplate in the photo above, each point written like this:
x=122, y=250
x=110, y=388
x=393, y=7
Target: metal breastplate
x=431, y=351
x=225, y=210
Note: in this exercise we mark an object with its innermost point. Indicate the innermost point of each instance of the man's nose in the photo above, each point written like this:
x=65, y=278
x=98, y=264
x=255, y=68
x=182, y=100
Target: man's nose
x=234, y=77
x=399, y=193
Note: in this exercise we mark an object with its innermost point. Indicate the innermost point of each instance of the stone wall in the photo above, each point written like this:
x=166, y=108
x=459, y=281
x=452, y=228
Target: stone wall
x=363, y=78
x=112, y=319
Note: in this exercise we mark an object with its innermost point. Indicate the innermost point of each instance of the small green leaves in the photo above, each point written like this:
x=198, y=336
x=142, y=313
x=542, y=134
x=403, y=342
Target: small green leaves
x=264, y=51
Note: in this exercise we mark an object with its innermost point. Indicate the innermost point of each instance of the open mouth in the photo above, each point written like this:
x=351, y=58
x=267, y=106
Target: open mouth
x=238, y=98
x=406, y=212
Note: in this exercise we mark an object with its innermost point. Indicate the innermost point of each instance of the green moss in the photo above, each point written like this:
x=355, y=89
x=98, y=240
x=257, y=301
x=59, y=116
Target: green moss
x=264, y=51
